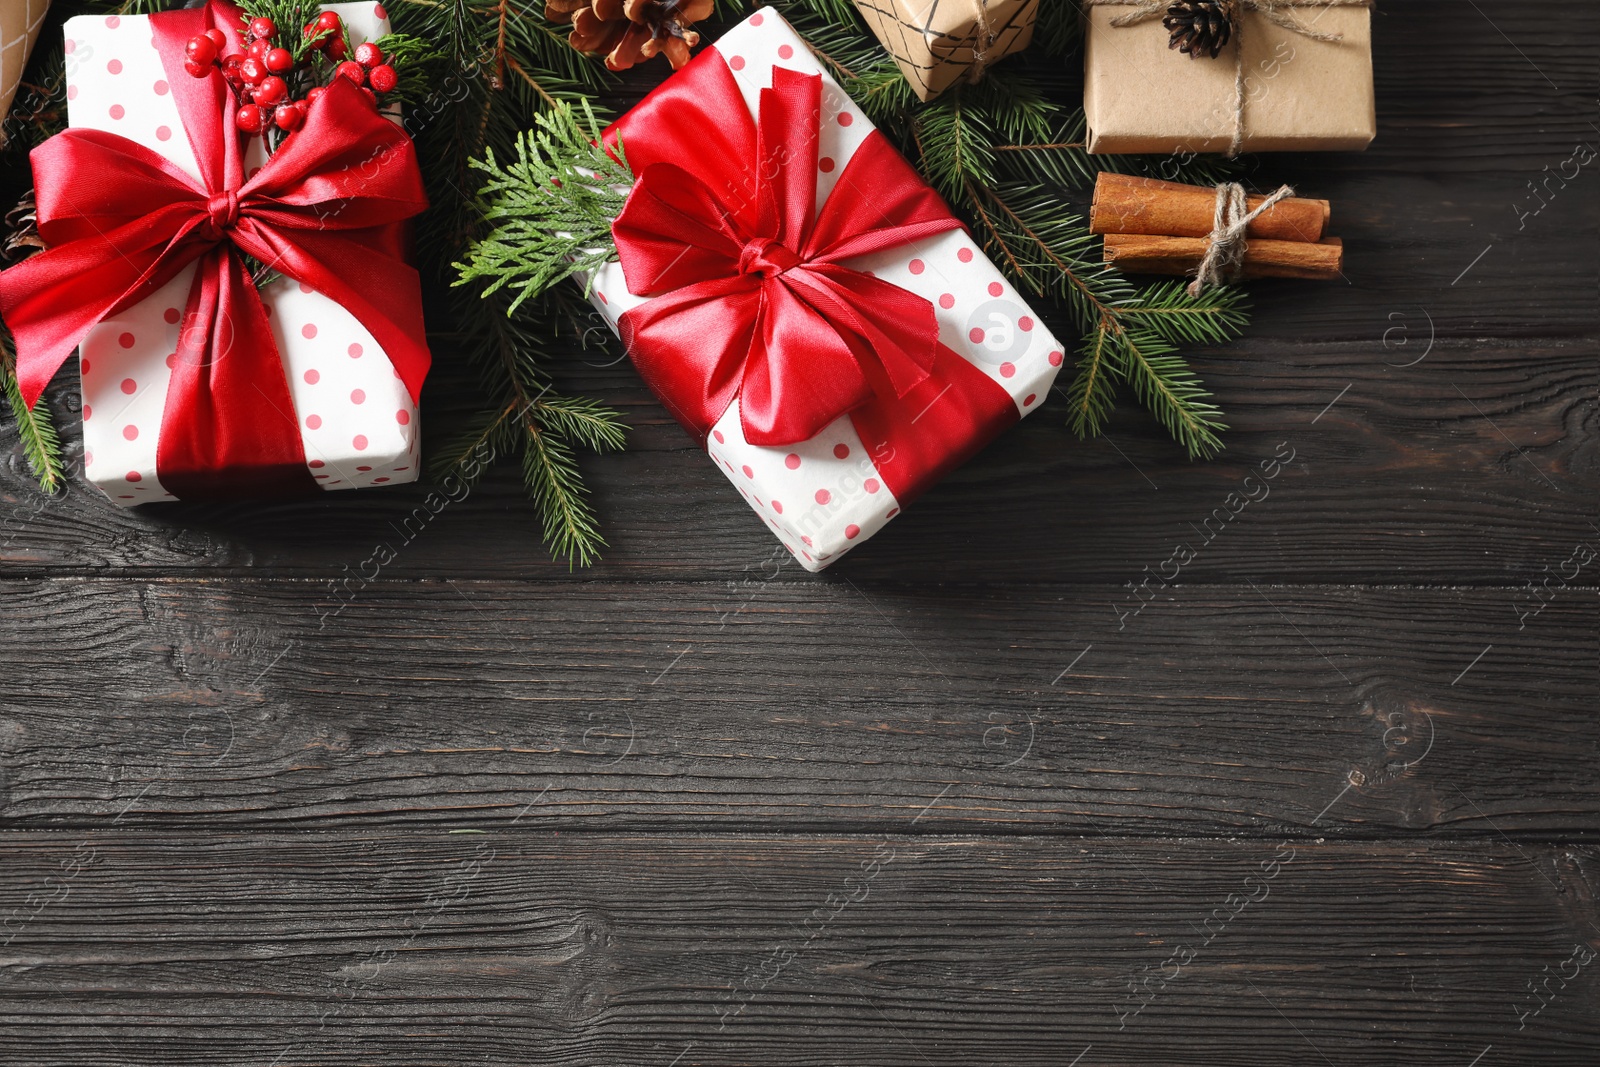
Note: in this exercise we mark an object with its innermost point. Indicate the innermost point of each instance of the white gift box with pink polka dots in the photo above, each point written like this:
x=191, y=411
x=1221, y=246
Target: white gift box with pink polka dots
x=824, y=496
x=357, y=422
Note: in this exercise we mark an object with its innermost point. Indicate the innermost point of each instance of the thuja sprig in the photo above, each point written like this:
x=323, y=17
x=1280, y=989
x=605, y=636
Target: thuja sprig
x=551, y=207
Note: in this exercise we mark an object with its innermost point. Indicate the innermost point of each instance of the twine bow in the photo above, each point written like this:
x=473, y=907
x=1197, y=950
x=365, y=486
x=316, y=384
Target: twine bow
x=1226, y=245
x=1274, y=11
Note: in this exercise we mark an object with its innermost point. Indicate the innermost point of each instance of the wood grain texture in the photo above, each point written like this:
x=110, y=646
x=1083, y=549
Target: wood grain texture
x=1475, y=465
x=518, y=947
x=773, y=703
x=952, y=802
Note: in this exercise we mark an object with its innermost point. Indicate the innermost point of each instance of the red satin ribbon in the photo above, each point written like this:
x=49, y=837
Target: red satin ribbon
x=751, y=297
x=120, y=221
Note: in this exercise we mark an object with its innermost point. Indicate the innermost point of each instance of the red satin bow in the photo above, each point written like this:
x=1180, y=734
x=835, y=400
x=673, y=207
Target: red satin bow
x=750, y=295
x=121, y=221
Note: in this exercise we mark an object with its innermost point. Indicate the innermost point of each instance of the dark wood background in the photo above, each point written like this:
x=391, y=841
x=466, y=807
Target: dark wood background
x=1331, y=798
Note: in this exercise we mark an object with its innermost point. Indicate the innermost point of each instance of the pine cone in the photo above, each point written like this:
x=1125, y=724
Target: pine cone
x=1199, y=26
x=19, y=235
x=630, y=31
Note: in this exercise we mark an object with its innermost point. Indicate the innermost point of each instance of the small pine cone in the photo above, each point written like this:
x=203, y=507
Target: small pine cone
x=631, y=31
x=21, y=231
x=1198, y=26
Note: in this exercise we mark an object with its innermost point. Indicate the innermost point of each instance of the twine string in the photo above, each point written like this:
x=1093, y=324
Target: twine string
x=1226, y=246
x=981, y=47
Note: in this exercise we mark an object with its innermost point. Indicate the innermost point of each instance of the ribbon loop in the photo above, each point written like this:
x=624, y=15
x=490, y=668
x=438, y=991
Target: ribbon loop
x=748, y=269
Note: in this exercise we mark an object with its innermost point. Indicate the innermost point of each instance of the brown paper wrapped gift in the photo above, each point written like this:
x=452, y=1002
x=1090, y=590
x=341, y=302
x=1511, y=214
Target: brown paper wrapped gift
x=1272, y=89
x=939, y=42
x=19, y=27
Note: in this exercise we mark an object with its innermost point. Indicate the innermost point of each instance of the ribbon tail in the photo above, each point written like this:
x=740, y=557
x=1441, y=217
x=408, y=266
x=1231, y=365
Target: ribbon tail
x=229, y=428
x=690, y=346
x=362, y=270
x=899, y=329
x=936, y=427
x=802, y=371
x=52, y=299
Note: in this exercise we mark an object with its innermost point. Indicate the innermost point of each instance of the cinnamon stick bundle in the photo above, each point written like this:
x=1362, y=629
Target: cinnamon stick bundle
x=1137, y=253
x=1159, y=227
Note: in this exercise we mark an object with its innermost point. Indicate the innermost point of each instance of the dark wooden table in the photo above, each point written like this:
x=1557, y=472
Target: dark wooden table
x=1330, y=797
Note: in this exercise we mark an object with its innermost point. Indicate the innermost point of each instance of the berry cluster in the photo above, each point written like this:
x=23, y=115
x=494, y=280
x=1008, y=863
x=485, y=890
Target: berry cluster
x=260, y=75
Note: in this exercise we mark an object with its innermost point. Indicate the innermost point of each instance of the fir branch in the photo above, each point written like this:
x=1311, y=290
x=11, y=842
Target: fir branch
x=39, y=441
x=1166, y=309
x=1163, y=381
x=551, y=209
x=485, y=437
x=1091, y=396
x=1059, y=29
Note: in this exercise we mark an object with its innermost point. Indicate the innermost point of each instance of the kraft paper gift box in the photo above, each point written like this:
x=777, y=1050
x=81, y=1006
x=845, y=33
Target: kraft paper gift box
x=939, y=42
x=357, y=422
x=1300, y=93
x=827, y=494
x=19, y=28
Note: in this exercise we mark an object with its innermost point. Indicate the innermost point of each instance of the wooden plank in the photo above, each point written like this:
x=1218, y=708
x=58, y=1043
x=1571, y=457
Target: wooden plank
x=814, y=706
x=520, y=947
x=1471, y=466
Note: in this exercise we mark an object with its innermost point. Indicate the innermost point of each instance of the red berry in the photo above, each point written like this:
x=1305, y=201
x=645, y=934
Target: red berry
x=230, y=66
x=335, y=48
x=309, y=32
x=368, y=54
x=262, y=28
x=354, y=71
x=218, y=38
x=327, y=21
x=290, y=116
x=313, y=93
x=199, y=70
x=251, y=118
x=252, y=70
x=201, y=49
x=272, y=90
x=258, y=48
x=383, y=78
x=279, y=60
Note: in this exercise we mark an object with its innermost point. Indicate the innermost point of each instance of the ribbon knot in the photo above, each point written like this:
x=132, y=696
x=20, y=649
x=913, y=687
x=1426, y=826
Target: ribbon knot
x=753, y=297
x=222, y=212
x=767, y=257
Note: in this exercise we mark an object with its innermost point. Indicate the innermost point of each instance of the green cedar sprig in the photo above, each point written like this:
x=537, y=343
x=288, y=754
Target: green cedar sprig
x=551, y=207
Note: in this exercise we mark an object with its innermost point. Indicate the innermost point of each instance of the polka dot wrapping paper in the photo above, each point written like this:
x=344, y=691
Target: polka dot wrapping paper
x=357, y=422
x=826, y=495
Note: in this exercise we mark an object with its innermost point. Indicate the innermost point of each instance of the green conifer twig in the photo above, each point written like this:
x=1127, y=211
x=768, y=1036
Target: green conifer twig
x=39, y=441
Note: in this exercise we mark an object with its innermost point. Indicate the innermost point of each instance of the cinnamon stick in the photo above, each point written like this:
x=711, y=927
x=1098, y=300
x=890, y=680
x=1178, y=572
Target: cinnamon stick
x=1152, y=254
x=1127, y=204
